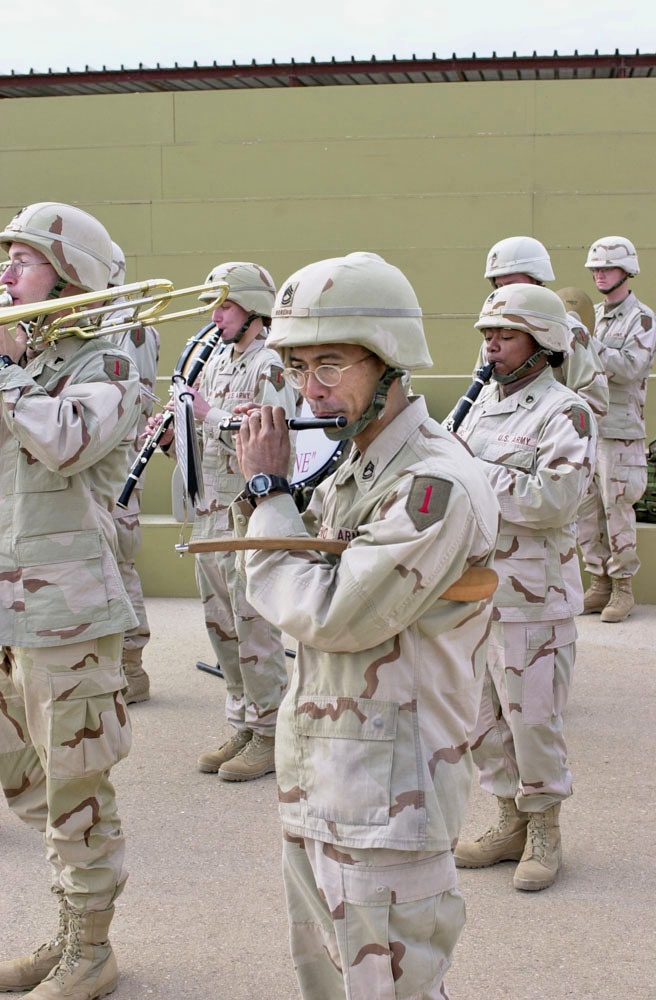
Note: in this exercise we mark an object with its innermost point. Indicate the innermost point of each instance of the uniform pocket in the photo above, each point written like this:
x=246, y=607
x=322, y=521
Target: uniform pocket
x=542, y=689
x=345, y=748
x=521, y=562
x=63, y=580
x=90, y=728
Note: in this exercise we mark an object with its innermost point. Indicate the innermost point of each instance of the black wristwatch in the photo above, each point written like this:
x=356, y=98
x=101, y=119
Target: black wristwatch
x=261, y=484
x=6, y=361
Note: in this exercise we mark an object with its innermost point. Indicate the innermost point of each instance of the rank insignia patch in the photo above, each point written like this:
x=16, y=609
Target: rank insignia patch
x=428, y=500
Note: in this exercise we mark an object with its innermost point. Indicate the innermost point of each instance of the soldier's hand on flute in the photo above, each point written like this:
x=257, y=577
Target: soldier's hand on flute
x=262, y=441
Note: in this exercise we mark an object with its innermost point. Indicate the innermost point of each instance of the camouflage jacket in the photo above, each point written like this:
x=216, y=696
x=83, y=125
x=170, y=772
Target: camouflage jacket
x=625, y=336
x=537, y=448
x=372, y=739
x=142, y=345
x=582, y=370
x=67, y=422
x=254, y=376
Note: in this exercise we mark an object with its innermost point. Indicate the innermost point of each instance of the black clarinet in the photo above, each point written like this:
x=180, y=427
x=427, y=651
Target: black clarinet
x=151, y=443
x=465, y=403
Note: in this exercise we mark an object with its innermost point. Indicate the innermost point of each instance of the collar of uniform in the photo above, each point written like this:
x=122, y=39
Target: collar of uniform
x=365, y=468
x=55, y=354
x=526, y=397
x=620, y=308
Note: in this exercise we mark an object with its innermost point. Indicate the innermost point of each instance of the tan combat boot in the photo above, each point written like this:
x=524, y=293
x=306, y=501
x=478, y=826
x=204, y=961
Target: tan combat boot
x=503, y=842
x=29, y=970
x=541, y=859
x=211, y=761
x=138, y=681
x=621, y=602
x=597, y=595
x=87, y=968
x=255, y=760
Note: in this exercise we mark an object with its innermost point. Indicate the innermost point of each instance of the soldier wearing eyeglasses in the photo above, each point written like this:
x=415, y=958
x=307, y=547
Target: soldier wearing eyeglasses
x=372, y=754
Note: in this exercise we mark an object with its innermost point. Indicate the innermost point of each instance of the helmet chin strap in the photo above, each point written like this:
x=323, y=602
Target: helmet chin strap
x=241, y=331
x=618, y=284
x=373, y=411
x=522, y=370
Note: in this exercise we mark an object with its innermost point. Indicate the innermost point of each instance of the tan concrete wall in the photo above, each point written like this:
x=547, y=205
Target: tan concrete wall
x=427, y=175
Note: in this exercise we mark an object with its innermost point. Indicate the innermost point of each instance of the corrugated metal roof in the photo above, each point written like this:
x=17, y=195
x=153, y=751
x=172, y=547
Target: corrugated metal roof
x=328, y=74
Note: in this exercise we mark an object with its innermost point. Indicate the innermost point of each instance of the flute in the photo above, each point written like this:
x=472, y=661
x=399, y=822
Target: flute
x=294, y=423
x=465, y=403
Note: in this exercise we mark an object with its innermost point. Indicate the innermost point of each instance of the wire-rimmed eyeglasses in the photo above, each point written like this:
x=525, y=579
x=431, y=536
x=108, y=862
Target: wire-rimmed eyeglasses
x=328, y=375
x=18, y=266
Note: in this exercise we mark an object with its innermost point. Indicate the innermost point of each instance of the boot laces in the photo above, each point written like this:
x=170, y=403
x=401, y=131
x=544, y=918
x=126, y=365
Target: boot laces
x=504, y=821
x=72, y=951
x=537, y=835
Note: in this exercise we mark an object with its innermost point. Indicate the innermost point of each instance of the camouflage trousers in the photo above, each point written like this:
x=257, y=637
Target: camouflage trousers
x=248, y=648
x=370, y=923
x=607, y=523
x=128, y=532
x=518, y=743
x=63, y=725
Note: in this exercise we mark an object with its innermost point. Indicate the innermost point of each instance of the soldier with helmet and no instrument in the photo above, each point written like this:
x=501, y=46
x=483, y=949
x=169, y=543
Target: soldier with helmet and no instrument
x=625, y=336
x=67, y=417
x=524, y=260
x=141, y=343
x=249, y=650
x=536, y=441
x=372, y=756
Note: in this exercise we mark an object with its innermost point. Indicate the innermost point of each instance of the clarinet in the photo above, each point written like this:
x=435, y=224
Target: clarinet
x=465, y=403
x=151, y=443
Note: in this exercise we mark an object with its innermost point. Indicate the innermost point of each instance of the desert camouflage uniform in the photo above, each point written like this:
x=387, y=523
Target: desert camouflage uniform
x=372, y=751
x=537, y=447
x=582, y=370
x=626, y=341
x=248, y=648
x=67, y=419
x=142, y=345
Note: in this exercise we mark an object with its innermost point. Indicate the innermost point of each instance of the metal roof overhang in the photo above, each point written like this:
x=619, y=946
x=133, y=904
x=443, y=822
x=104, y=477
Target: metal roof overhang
x=328, y=74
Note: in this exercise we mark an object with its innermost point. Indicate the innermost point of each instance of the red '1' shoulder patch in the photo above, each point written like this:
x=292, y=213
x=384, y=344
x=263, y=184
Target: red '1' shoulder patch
x=428, y=500
x=645, y=322
x=116, y=369
x=581, y=336
x=276, y=377
x=581, y=420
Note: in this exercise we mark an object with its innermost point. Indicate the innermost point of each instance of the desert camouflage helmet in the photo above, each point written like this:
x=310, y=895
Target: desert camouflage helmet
x=519, y=255
x=531, y=308
x=251, y=286
x=119, y=270
x=75, y=243
x=613, y=251
x=579, y=305
x=357, y=299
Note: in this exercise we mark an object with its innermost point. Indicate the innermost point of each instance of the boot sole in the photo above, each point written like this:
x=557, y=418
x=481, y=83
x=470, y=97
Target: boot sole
x=486, y=864
x=525, y=886
x=226, y=776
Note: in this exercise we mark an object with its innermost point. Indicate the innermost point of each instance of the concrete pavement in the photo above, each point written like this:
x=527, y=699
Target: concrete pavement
x=203, y=914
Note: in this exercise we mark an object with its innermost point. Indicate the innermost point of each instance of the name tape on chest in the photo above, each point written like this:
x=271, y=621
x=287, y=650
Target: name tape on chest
x=428, y=500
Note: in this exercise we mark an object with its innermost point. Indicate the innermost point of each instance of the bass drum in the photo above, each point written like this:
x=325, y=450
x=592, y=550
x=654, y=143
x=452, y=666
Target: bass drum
x=316, y=457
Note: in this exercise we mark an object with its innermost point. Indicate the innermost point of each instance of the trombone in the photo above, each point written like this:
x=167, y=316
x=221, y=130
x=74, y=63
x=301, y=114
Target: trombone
x=81, y=315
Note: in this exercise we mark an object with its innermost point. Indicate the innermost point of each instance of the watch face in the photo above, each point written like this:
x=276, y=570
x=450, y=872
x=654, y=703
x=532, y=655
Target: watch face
x=260, y=484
